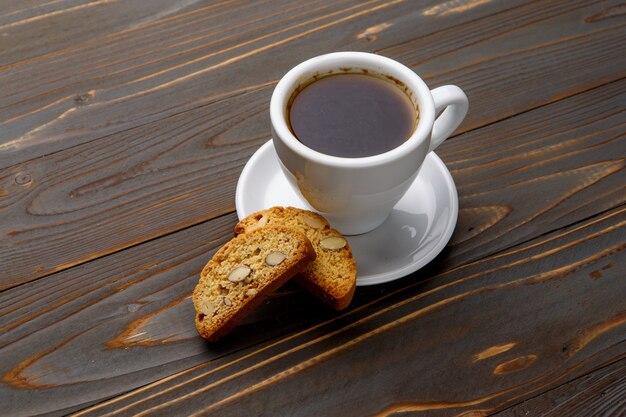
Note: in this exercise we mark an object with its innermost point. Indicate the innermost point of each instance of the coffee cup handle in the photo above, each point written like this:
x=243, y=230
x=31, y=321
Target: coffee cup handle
x=453, y=101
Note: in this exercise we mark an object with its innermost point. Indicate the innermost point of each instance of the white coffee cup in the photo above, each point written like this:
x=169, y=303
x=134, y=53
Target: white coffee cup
x=357, y=194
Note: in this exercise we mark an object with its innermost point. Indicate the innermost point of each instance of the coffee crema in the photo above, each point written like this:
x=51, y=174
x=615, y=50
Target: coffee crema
x=352, y=115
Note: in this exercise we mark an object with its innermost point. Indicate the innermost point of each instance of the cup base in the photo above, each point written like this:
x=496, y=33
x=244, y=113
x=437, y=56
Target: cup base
x=354, y=229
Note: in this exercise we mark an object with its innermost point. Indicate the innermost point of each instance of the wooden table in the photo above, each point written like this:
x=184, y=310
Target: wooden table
x=124, y=126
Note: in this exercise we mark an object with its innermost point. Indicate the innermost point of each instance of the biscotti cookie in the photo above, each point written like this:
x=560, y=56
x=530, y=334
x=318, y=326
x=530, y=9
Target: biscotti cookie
x=332, y=276
x=243, y=273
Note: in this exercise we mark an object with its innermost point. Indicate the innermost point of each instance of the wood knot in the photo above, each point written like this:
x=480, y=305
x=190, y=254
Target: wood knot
x=82, y=99
x=493, y=351
x=23, y=179
x=597, y=274
x=371, y=34
x=515, y=364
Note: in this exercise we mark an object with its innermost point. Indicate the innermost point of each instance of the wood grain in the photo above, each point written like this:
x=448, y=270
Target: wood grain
x=600, y=393
x=102, y=187
x=98, y=304
x=124, y=125
x=405, y=352
x=122, y=321
x=85, y=192
x=122, y=79
x=538, y=171
x=134, y=303
x=125, y=190
x=522, y=58
x=68, y=22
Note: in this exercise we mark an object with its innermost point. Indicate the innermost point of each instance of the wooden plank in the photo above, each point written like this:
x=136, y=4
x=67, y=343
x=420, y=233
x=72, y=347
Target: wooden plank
x=30, y=29
x=90, y=311
x=531, y=174
x=126, y=172
x=142, y=183
x=601, y=393
x=466, y=341
x=123, y=190
x=132, y=77
x=522, y=58
x=62, y=335
x=125, y=319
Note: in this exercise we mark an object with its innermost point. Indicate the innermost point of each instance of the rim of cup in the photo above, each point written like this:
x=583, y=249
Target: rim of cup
x=306, y=70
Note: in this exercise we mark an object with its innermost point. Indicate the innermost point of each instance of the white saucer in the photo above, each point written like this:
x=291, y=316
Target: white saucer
x=417, y=229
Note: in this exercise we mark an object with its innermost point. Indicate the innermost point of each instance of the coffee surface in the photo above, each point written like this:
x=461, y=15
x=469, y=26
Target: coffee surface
x=352, y=115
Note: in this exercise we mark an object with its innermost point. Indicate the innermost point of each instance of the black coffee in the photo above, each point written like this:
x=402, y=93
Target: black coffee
x=352, y=115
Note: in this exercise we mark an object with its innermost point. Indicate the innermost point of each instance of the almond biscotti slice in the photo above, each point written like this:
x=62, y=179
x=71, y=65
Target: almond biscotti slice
x=332, y=276
x=243, y=273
